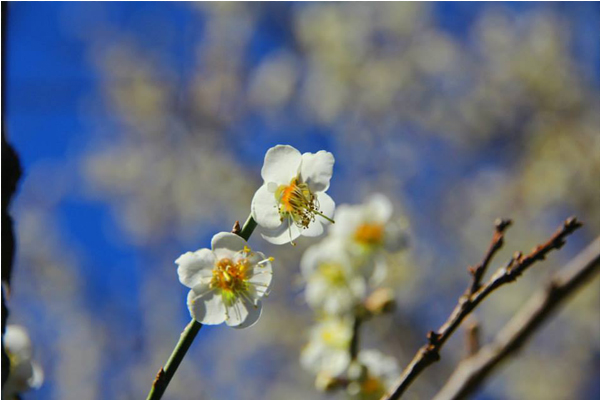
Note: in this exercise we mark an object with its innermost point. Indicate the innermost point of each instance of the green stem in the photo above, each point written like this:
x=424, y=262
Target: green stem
x=165, y=374
x=248, y=228
x=163, y=378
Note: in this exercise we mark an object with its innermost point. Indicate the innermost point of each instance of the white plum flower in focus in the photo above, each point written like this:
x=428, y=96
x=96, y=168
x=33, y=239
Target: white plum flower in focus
x=368, y=226
x=226, y=282
x=333, y=284
x=328, y=350
x=25, y=374
x=377, y=375
x=292, y=201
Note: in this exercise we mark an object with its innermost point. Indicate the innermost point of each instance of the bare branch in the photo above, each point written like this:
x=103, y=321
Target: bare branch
x=429, y=353
x=472, y=372
x=472, y=334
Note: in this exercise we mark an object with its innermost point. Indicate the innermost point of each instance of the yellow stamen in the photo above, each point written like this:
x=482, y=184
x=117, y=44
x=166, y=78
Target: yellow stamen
x=230, y=276
x=266, y=260
x=298, y=204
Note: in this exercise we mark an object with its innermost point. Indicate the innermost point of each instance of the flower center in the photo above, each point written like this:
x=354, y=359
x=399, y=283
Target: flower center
x=369, y=234
x=297, y=202
x=335, y=336
x=372, y=385
x=230, y=276
x=333, y=273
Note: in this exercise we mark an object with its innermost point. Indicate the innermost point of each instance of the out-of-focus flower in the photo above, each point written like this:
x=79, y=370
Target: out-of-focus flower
x=333, y=282
x=328, y=348
x=374, y=374
x=292, y=201
x=367, y=227
x=25, y=374
x=226, y=282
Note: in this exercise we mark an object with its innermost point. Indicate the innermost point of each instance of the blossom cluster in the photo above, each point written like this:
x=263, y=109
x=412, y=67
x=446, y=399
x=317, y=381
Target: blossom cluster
x=228, y=281
x=344, y=274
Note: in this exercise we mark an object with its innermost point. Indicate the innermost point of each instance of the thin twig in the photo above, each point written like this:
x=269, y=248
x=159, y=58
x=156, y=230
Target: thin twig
x=471, y=373
x=430, y=353
x=501, y=225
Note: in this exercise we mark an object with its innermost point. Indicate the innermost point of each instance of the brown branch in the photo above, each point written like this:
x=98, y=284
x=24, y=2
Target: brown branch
x=471, y=373
x=497, y=241
x=430, y=353
x=472, y=338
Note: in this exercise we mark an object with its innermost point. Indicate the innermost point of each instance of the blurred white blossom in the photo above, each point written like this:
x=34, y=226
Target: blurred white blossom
x=367, y=227
x=25, y=374
x=333, y=283
x=328, y=348
x=374, y=375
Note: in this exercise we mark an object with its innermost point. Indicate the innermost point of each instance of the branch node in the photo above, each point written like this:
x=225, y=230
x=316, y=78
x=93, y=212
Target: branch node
x=160, y=378
x=432, y=337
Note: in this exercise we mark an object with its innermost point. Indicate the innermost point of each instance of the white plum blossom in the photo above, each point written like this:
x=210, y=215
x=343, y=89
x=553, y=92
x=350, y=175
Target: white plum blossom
x=328, y=350
x=368, y=231
x=25, y=373
x=368, y=227
x=226, y=282
x=333, y=284
x=377, y=374
x=292, y=201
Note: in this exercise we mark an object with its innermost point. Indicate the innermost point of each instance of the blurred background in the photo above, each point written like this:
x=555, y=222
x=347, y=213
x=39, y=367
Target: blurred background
x=142, y=128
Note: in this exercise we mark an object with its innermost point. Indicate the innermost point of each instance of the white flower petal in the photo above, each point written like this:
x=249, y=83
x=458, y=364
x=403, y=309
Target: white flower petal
x=379, y=271
x=319, y=358
x=316, y=227
x=347, y=219
x=264, y=208
x=229, y=241
x=316, y=170
x=207, y=309
x=337, y=362
x=326, y=205
x=261, y=278
x=358, y=287
x=339, y=301
x=282, y=163
x=379, y=208
x=37, y=376
x=311, y=356
x=380, y=365
x=254, y=313
x=310, y=260
x=282, y=235
x=194, y=268
x=316, y=291
x=243, y=312
x=237, y=311
x=16, y=340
